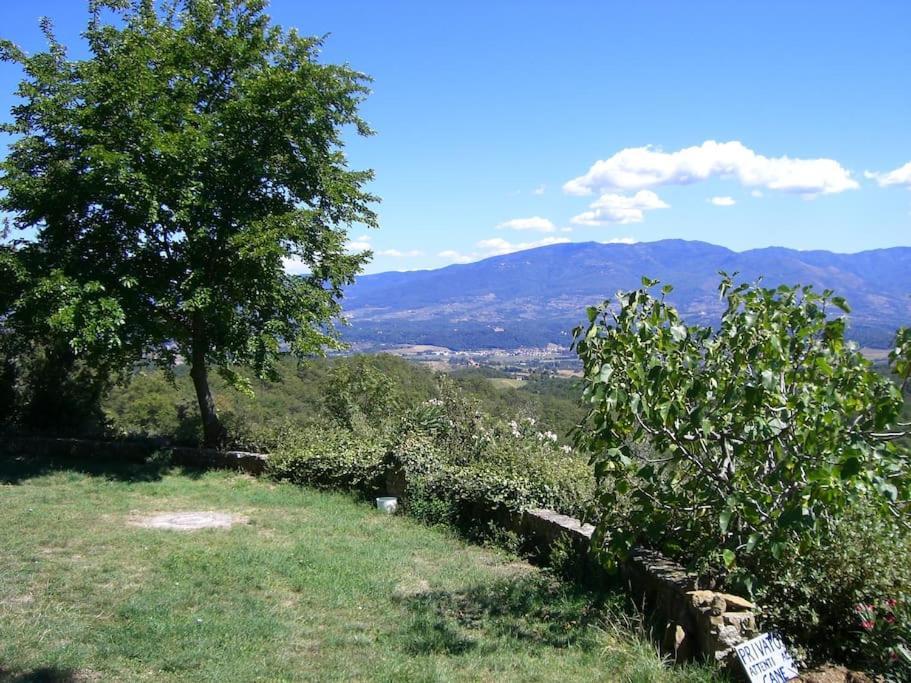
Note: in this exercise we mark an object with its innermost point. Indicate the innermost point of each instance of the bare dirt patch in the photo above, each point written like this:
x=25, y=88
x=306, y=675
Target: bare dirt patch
x=188, y=520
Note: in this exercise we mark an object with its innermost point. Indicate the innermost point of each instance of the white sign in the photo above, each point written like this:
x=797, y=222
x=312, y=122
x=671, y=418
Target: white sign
x=766, y=660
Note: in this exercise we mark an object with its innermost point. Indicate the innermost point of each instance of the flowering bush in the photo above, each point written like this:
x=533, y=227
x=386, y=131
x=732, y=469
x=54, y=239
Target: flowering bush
x=452, y=451
x=885, y=631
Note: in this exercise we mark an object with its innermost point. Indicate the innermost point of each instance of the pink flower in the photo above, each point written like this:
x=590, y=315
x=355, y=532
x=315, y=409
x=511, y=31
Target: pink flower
x=867, y=624
x=890, y=618
x=890, y=602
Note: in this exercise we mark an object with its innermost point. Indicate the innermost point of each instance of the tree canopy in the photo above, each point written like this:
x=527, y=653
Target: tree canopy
x=169, y=179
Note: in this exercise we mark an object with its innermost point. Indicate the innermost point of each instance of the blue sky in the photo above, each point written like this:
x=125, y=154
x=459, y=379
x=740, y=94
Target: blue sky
x=507, y=124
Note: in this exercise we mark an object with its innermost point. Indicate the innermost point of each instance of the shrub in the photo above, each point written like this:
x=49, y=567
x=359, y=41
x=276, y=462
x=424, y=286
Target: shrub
x=746, y=445
x=358, y=394
x=811, y=592
x=330, y=457
x=484, y=466
x=886, y=632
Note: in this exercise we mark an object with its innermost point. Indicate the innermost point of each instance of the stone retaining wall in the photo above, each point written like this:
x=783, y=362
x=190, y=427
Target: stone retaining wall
x=692, y=623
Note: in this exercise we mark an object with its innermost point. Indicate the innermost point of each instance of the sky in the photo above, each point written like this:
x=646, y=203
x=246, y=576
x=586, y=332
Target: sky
x=504, y=125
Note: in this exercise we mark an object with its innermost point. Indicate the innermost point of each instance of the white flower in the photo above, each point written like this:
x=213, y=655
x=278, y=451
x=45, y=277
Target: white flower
x=566, y=449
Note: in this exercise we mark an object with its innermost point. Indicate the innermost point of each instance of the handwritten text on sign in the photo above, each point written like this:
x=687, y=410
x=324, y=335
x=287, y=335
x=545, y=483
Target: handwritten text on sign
x=766, y=660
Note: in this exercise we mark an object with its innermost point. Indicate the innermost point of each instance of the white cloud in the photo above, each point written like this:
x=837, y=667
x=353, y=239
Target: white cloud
x=722, y=201
x=361, y=243
x=539, y=190
x=456, y=257
x=294, y=266
x=535, y=223
x=756, y=193
x=619, y=208
x=636, y=168
x=620, y=240
x=900, y=176
x=395, y=253
x=566, y=229
x=497, y=246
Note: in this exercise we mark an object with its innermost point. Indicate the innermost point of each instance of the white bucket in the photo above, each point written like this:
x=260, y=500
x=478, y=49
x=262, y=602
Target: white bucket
x=387, y=504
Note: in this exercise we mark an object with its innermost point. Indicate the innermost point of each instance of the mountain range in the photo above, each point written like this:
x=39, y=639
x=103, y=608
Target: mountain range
x=535, y=297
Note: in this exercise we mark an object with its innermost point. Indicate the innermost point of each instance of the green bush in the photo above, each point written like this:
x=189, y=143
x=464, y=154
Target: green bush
x=330, y=457
x=748, y=450
x=812, y=593
x=485, y=467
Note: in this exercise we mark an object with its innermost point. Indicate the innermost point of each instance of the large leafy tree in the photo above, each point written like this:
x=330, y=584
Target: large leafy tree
x=168, y=179
x=740, y=442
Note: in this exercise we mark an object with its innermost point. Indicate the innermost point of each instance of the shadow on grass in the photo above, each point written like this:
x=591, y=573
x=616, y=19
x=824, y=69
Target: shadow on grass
x=536, y=610
x=43, y=674
x=16, y=469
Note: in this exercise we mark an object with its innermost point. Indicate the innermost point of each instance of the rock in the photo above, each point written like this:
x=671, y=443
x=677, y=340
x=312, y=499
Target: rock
x=737, y=604
x=718, y=605
x=700, y=599
x=745, y=622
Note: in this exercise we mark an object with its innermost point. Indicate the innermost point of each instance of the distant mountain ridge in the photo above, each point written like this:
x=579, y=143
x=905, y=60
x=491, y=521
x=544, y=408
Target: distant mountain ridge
x=535, y=297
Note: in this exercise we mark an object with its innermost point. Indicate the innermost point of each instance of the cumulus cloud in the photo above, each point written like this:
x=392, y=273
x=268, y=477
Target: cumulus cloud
x=901, y=176
x=457, y=257
x=294, y=266
x=535, y=223
x=497, y=246
x=722, y=201
x=361, y=243
x=637, y=168
x=620, y=208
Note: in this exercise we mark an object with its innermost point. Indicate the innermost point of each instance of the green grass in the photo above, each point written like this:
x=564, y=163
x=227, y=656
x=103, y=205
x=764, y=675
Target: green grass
x=316, y=587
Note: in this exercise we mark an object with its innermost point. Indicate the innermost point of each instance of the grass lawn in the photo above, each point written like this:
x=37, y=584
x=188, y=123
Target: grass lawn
x=315, y=587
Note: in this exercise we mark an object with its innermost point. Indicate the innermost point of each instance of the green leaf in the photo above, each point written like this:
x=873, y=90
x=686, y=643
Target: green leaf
x=724, y=519
x=752, y=540
x=850, y=468
x=840, y=302
x=729, y=557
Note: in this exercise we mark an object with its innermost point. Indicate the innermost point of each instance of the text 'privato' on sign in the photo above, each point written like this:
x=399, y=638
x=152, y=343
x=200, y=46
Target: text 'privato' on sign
x=766, y=660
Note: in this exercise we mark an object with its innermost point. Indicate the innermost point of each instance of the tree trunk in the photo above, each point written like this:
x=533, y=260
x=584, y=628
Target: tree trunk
x=214, y=434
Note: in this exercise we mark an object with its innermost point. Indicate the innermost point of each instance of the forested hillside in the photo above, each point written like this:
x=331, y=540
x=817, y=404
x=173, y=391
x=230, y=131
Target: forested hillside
x=150, y=405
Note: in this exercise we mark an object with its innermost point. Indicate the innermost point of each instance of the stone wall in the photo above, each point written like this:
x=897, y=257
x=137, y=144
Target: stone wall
x=692, y=623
